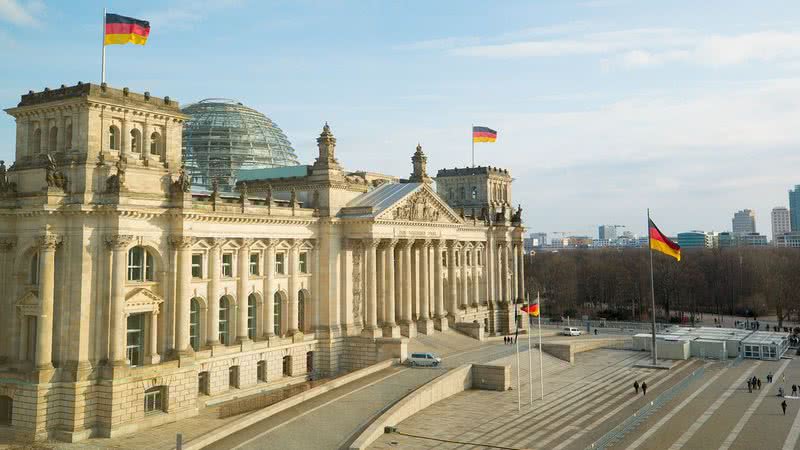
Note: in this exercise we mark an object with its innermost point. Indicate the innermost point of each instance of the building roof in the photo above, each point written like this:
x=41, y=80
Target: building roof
x=378, y=200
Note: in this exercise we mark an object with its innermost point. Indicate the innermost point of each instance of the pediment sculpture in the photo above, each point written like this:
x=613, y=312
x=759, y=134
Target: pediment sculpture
x=418, y=208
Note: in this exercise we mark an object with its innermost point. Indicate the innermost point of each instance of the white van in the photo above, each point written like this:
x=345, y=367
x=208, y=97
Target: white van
x=424, y=359
x=571, y=331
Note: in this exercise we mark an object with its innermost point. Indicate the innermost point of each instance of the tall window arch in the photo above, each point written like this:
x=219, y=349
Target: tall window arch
x=277, y=313
x=474, y=192
x=155, y=143
x=52, y=140
x=113, y=137
x=301, y=310
x=224, y=315
x=37, y=141
x=141, y=265
x=136, y=141
x=34, y=270
x=251, y=316
x=194, y=324
x=68, y=137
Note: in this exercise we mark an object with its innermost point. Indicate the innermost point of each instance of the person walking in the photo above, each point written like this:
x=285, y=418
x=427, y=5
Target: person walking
x=794, y=390
x=758, y=382
x=783, y=407
x=644, y=387
x=636, y=387
x=769, y=377
x=749, y=385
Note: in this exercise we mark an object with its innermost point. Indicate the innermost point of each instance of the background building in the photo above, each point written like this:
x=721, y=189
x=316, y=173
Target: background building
x=744, y=222
x=696, y=239
x=607, y=232
x=794, y=207
x=222, y=136
x=781, y=221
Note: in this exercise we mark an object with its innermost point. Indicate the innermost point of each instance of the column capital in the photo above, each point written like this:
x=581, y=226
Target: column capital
x=246, y=242
x=406, y=243
x=119, y=241
x=389, y=243
x=440, y=244
x=351, y=244
x=424, y=243
x=181, y=242
x=7, y=244
x=48, y=241
x=371, y=243
x=216, y=242
x=270, y=242
x=295, y=243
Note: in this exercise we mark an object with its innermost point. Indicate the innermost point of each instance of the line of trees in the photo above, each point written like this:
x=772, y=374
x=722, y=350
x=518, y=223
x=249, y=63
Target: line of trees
x=615, y=283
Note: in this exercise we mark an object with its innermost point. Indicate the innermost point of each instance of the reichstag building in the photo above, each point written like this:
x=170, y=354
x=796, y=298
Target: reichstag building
x=130, y=298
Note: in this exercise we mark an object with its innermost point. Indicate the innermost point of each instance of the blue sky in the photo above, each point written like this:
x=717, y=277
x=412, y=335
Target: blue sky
x=603, y=107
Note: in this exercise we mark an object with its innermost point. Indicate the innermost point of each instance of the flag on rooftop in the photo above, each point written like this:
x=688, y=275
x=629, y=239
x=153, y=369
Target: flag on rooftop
x=532, y=309
x=483, y=134
x=123, y=30
x=661, y=243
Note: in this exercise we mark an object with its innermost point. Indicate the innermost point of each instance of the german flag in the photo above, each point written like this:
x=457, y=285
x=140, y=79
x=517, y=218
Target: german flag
x=532, y=309
x=483, y=134
x=663, y=244
x=122, y=30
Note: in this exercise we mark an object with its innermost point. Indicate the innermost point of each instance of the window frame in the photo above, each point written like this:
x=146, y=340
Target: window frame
x=280, y=263
x=223, y=320
x=197, y=274
x=302, y=260
x=227, y=267
x=255, y=265
x=154, y=400
x=143, y=265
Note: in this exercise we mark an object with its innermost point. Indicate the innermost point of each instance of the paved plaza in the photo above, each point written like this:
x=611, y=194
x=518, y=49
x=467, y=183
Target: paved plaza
x=584, y=402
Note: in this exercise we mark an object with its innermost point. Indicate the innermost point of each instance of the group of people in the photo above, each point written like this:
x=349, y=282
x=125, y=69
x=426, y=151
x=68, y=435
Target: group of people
x=508, y=340
x=636, y=387
x=755, y=383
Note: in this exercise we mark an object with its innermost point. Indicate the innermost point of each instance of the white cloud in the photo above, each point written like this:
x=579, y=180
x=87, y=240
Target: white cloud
x=14, y=12
x=184, y=14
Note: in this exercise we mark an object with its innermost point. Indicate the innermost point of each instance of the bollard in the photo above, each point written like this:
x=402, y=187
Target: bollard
x=179, y=442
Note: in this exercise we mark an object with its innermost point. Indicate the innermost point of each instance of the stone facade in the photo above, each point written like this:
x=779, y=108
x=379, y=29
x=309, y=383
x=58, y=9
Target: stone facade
x=126, y=298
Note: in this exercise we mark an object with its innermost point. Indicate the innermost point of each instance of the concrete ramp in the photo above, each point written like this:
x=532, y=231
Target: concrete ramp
x=443, y=343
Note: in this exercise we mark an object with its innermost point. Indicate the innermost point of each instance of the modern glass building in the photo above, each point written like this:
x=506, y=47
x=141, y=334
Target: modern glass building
x=223, y=136
x=696, y=239
x=794, y=207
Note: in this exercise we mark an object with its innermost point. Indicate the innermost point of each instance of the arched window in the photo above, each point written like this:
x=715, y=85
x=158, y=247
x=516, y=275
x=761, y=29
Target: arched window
x=301, y=310
x=68, y=137
x=277, y=313
x=194, y=324
x=52, y=140
x=474, y=193
x=113, y=137
x=6, y=409
x=154, y=400
x=36, y=144
x=34, y=272
x=136, y=141
x=155, y=144
x=251, y=316
x=141, y=265
x=224, y=311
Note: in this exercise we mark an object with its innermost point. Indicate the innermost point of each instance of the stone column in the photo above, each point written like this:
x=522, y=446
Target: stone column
x=515, y=294
x=488, y=269
x=61, y=126
x=499, y=269
x=152, y=349
x=241, y=289
x=424, y=324
x=119, y=249
x=371, y=298
x=390, y=328
x=146, y=140
x=125, y=139
x=269, y=295
x=183, y=278
x=409, y=328
x=212, y=313
x=464, y=277
x=440, y=319
x=452, y=281
x=47, y=283
x=9, y=334
x=294, y=282
x=476, y=281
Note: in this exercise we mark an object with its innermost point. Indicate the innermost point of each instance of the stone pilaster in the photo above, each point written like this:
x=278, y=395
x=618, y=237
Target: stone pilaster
x=294, y=282
x=440, y=317
x=407, y=326
x=6, y=275
x=521, y=269
x=424, y=324
x=212, y=313
x=371, y=299
x=47, y=281
x=390, y=328
x=269, y=294
x=119, y=248
x=183, y=246
x=476, y=280
x=452, y=281
x=464, y=285
x=241, y=290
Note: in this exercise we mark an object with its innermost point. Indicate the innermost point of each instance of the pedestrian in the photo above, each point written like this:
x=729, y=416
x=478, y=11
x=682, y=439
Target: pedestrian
x=794, y=390
x=636, y=387
x=749, y=385
x=783, y=407
x=780, y=392
x=758, y=382
x=644, y=387
x=769, y=377
x=595, y=331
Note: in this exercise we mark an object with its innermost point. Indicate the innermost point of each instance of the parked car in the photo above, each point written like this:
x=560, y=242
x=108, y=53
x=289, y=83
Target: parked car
x=571, y=331
x=424, y=359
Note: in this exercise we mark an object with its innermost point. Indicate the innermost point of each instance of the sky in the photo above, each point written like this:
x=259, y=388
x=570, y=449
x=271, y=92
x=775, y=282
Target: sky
x=603, y=108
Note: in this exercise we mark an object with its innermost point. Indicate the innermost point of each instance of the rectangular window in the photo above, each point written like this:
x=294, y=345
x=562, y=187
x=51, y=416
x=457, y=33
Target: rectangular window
x=279, y=263
x=233, y=377
x=197, y=265
x=153, y=400
x=444, y=259
x=227, y=265
x=304, y=262
x=254, y=264
x=469, y=258
x=135, y=339
x=135, y=264
x=261, y=371
x=478, y=257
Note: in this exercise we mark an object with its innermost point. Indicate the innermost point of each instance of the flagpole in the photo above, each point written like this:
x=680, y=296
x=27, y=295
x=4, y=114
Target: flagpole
x=652, y=289
x=103, y=43
x=519, y=385
x=530, y=350
x=541, y=366
x=472, y=138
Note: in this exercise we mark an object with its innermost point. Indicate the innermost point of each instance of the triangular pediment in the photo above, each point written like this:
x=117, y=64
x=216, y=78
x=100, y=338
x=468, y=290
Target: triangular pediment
x=28, y=304
x=420, y=205
x=142, y=300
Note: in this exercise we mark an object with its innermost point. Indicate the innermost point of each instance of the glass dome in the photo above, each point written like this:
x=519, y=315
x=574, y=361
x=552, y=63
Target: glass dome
x=222, y=136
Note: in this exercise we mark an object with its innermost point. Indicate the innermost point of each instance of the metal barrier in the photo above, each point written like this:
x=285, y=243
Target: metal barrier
x=630, y=424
